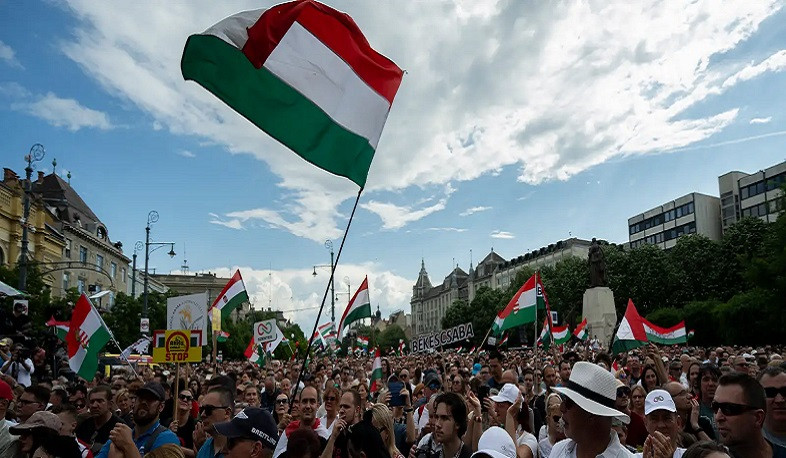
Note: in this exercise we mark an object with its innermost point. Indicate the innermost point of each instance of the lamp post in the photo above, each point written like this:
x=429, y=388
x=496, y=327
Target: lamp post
x=329, y=246
x=152, y=218
x=37, y=153
x=349, y=289
x=137, y=247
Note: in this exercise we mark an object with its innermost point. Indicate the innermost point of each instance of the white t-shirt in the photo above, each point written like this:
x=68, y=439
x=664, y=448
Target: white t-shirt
x=18, y=371
x=528, y=439
x=566, y=448
x=677, y=453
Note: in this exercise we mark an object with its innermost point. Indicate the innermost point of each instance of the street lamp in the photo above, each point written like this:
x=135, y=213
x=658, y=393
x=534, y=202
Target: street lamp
x=152, y=218
x=349, y=289
x=137, y=247
x=37, y=153
x=329, y=246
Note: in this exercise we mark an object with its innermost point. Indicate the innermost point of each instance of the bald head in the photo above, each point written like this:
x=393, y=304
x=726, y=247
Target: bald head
x=510, y=376
x=680, y=396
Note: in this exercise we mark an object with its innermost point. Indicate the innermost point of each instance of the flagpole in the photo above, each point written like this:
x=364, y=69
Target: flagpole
x=324, y=297
x=112, y=337
x=535, y=324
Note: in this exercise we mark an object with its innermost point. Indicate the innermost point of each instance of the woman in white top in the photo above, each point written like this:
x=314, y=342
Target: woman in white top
x=555, y=431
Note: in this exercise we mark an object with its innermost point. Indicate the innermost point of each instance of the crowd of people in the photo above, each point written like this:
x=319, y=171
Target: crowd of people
x=675, y=401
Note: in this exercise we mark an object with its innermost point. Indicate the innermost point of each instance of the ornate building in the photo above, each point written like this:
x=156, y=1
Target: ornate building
x=429, y=303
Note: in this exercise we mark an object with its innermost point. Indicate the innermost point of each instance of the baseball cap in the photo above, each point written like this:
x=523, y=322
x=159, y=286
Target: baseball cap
x=658, y=400
x=432, y=378
x=41, y=419
x=251, y=423
x=5, y=391
x=495, y=443
x=5, y=342
x=509, y=393
x=476, y=368
x=153, y=388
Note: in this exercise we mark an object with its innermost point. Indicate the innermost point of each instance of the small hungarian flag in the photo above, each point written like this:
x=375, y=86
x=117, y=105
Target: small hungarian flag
x=222, y=336
x=691, y=334
x=60, y=328
x=325, y=332
x=665, y=336
x=86, y=337
x=294, y=353
x=305, y=74
x=504, y=340
x=255, y=353
x=581, y=332
x=559, y=334
x=521, y=308
x=472, y=350
x=357, y=309
x=401, y=347
x=233, y=294
x=362, y=342
x=376, y=372
x=631, y=333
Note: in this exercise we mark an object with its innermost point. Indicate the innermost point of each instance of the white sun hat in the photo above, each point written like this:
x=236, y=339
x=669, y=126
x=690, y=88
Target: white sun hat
x=509, y=393
x=495, y=443
x=593, y=389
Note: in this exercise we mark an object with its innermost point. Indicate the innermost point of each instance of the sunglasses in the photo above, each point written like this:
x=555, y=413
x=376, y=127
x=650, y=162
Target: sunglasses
x=771, y=392
x=206, y=411
x=623, y=391
x=434, y=386
x=331, y=399
x=282, y=401
x=185, y=397
x=730, y=409
x=556, y=418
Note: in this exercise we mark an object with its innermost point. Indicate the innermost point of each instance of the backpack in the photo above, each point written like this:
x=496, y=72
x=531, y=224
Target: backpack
x=152, y=439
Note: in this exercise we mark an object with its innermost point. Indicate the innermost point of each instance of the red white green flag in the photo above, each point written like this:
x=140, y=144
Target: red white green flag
x=60, y=328
x=401, y=346
x=86, y=337
x=521, y=308
x=305, y=74
x=558, y=335
x=357, y=309
x=376, y=372
x=581, y=332
x=665, y=336
x=230, y=298
x=222, y=336
x=504, y=340
x=255, y=353
x=631, y=333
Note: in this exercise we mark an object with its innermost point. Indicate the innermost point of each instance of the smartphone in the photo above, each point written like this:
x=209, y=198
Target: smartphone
x=483, y=393
x=396, y=399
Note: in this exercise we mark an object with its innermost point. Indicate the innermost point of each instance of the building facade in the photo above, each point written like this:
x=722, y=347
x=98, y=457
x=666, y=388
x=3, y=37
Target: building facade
x=693, y=213
x=545, y=256
x=197, y=283
x=755, y=195
x=429, y=303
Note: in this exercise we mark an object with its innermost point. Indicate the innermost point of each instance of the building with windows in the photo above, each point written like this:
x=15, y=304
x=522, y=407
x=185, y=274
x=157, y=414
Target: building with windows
x=429, y=303
x=755, y=195
x=545, y=256
x=196, y=283
x=693, y=213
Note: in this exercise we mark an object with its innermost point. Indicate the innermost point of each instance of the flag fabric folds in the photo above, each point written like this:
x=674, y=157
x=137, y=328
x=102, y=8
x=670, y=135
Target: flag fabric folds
x=521, y=308
x=666, y=336
x=139, y=347
x=305, y=74
x=631, y=333
x=222, y=336
x=230, y=298
x=86, y=337
x=357, y=309
x=60, y=328
x=581, y=332
x=376, y=373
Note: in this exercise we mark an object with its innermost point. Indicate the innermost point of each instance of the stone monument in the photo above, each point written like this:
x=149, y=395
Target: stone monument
x=598, y=306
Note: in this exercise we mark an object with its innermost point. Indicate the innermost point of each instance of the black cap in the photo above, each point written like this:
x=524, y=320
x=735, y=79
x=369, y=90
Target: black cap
x=153, y=388
x=251, y=423
x=432, y=378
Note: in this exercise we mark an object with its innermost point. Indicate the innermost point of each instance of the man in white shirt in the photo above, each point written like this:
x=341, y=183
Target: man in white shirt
x=19, y=366
x=663, y=425
x=588, y=407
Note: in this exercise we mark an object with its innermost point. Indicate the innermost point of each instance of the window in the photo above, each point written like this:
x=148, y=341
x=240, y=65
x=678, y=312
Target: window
x=99, y=262
x=113, y=270
x=80, y=285
x=83, y=255
x=66, y=278
x=744, y=192
x=68, y=249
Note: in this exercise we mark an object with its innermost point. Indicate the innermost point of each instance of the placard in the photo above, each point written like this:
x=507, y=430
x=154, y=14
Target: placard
x=177, y=348
x=265, y=331
x=188, y=312
x=441, y=338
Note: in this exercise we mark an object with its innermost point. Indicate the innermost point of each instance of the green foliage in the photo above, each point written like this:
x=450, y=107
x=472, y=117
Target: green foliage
x=666, y=317
x=480, y=312
x=389, y=338
x=565, y=284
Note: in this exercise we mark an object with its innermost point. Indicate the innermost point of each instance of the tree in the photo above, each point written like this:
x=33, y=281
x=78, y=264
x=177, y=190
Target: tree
x=389, y=338
x=565, y=284
x=695, y=263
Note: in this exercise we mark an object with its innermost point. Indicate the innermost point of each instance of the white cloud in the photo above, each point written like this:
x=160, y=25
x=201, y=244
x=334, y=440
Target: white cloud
x=553, y=89
x=298, y=293
x=232, y=223
x=502, y=235
x=67, y=113
x=8, y=55
x=473, y=210
x=761, y=120
x=447, y=229
x=186, y=153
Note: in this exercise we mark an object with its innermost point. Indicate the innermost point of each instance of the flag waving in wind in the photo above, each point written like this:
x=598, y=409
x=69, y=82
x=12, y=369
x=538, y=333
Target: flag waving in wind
x=631, y=333
x=233, y=294
x=581, y=332
x=305, y=74
x=521, y=308
x=357, y=309
x=86, y=337
x=60, y=327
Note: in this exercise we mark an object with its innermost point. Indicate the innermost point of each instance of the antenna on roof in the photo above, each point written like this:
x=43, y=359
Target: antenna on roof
x=185, y=261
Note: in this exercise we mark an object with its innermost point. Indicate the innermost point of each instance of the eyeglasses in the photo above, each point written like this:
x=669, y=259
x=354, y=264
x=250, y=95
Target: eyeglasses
x=772, y=391
x=331, y=399
x=730, y=409
x=456, y=381
x=623, y=391
x=206, y=411
x=282, y=401
x=185, y=397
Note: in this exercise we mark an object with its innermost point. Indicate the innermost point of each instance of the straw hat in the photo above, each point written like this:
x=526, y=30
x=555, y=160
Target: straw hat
x=593, y=389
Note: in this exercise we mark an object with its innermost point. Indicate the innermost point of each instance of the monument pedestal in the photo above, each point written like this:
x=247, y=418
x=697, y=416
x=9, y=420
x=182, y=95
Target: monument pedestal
x=600, y=313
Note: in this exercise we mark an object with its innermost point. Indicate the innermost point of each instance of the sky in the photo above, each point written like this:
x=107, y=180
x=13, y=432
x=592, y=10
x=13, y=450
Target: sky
x=517, y=124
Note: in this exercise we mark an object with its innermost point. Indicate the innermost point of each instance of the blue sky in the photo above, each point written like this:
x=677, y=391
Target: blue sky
x=516, y=125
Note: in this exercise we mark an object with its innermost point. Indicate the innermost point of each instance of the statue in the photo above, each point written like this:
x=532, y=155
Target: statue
x=597, y=265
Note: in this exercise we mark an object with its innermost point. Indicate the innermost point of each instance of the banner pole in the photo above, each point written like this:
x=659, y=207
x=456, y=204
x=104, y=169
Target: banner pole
x=177, y=393
x=324, y=298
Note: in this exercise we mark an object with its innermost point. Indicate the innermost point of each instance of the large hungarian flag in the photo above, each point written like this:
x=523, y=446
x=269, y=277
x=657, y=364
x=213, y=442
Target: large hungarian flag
x=631, y=333
x=60, y=328
x=521, y=308
x=86, y=337
x=305, y=74
x=376, y=373
x=233, y=294
x=326, y=332
x=357, y=309
x=666, y=336
x=581, y=332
